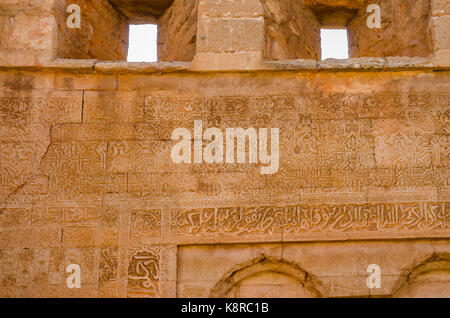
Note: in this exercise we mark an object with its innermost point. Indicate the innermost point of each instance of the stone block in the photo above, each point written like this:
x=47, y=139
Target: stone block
x=291, y=31
x=28, y=33
x=411, y=19
x=441, y=7
x=230, y=9
x=112, y=107
x=66, y=82
x=230, y=35
x=27, y=7
x=441, y=33
x=177, y=31
x=227, y=61
x=78, y=237
x=103, y=33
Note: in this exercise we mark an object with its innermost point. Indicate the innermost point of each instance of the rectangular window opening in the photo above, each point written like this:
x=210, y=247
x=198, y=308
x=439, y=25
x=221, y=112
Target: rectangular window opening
x=334, y=43
x=143, y=46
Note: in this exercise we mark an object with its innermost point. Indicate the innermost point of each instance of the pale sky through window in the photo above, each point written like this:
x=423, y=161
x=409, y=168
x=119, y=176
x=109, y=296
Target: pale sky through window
x=334, y=43
x=142, y=43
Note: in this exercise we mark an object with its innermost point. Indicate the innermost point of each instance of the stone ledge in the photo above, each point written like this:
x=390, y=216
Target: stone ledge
x=31, y=62
x=133, y=67
x=396, y=62
x=355, y=64
x=70, y=65
x=288, y=65
x=240, y=63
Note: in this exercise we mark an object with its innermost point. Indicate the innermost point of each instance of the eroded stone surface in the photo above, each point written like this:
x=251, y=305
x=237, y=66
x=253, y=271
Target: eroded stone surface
x=291, y=31
x=142, y=10
x=100, y=184
x=177, y=32
x=405, y=30
x=87, y=178
x=103, y=34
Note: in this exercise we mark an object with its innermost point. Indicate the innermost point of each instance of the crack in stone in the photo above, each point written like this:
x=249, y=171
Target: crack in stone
x=4, y=204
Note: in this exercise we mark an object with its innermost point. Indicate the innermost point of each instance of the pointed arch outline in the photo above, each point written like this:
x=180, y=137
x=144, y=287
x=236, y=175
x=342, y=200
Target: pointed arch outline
x=436, y=262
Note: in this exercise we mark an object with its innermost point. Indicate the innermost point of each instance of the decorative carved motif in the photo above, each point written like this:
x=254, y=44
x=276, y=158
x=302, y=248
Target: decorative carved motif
x=145, y=223
x=108, y=264
x=144, y=271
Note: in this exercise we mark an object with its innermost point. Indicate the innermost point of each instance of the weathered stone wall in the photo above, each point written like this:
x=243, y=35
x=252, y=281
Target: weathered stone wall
x=177, y=31
x=440, y=24
x=87, y=176
x=332, y=13
x=291, y=31
x=314, y=270
x=142, y=11
x=103, y=34
x=405, y=30
x=292, y=28
x=231, y=31
x=33, y=32
x=28, y=31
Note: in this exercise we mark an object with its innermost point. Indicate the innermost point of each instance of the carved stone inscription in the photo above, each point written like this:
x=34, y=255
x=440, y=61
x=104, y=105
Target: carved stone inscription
x=311, y=218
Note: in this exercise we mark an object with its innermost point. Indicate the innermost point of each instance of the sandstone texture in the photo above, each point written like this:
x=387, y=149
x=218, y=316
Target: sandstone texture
x=291, y=31
x=405, y=31
x=142, y=10
x=177, y=32
x=103, y=34
x=87, y=175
